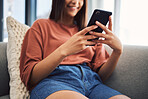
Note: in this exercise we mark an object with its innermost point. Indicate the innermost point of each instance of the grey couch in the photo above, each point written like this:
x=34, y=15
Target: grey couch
x=130, y=76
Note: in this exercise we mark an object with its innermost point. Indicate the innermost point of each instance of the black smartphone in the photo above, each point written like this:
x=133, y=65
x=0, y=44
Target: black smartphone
x=99, y=15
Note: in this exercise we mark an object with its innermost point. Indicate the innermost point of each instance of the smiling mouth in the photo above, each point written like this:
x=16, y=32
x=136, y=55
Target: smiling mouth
x=73, y=7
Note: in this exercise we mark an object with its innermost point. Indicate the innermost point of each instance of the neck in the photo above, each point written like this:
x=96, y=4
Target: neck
x=67, y=21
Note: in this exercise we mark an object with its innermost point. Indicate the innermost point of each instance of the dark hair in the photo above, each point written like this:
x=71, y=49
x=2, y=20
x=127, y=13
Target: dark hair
x=58, y=10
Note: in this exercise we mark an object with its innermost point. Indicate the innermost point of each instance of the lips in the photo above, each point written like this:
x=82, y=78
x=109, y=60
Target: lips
x=72, y=7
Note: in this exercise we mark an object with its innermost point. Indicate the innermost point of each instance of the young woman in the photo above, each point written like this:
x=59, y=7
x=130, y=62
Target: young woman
x=57, y=61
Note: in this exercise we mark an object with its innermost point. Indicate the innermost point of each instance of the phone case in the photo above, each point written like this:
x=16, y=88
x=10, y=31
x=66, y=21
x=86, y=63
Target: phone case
x=101, y=16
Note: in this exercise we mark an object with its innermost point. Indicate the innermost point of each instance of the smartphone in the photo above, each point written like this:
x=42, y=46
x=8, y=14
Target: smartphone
x=99, y=15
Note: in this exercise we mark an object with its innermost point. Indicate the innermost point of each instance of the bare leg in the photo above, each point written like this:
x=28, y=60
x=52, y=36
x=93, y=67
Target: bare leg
x=66, y=94
x=120, y=97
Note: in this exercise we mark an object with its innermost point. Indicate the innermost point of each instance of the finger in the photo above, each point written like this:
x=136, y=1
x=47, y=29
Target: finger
x=100, y=35
x=87, y=29
x=103, y=27
x=110, y=23
x=87, y=37
x=86, y=46
x=103, y=41
x=89, y=43
x=96, y=41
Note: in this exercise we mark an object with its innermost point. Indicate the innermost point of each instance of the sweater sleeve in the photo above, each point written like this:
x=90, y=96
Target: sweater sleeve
x=31, y=54
x=101, y=56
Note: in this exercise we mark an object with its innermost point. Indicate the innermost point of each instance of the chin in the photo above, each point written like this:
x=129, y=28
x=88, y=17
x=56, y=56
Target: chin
x=72, y=14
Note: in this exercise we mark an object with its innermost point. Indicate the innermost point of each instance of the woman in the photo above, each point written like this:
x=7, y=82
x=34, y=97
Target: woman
x=55, y=61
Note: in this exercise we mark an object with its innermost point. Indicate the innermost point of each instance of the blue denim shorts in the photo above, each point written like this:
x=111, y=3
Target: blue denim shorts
x=79, y=78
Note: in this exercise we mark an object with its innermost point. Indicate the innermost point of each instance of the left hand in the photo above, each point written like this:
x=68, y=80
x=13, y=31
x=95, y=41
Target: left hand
x=109, y=38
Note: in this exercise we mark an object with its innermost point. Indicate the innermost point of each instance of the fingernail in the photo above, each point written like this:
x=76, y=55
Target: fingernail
x=91, y=32
x=96, y=26
x=97, y=22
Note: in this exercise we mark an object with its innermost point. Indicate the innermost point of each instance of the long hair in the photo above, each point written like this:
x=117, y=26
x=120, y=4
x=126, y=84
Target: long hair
x=58, y=10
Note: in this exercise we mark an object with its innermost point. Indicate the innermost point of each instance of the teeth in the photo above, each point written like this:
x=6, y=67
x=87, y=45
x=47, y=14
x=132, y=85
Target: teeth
x=74, y=7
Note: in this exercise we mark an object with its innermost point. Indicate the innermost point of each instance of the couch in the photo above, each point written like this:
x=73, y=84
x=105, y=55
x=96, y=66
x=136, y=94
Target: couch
x=130, y=76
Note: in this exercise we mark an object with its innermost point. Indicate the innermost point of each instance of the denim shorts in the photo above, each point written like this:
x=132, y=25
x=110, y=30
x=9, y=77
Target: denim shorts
x=79, y=78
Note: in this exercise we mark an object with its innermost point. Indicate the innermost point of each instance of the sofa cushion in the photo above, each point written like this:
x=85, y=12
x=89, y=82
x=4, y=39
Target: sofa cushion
x=16, y=33
x=5, y=97
x=131, y=74
x=4, y=76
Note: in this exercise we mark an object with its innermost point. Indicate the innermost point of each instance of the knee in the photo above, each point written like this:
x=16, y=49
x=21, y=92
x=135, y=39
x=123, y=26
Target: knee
x=120, y=97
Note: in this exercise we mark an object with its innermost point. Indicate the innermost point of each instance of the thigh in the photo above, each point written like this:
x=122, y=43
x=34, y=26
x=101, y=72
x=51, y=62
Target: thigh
x=62, y=78
x=43, y=90
x=102, y=91
x=66, y=94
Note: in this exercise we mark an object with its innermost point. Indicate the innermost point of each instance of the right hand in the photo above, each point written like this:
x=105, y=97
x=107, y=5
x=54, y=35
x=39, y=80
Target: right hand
x=78, y=42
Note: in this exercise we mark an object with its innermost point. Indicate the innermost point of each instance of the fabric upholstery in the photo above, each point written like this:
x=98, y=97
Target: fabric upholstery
x=4, y=76
x=131, y=74
x=5, y=97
